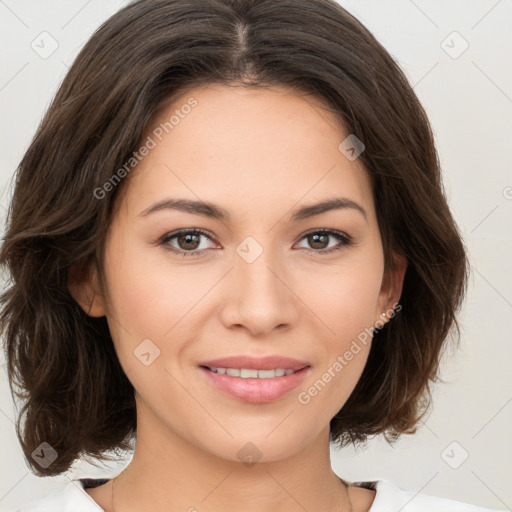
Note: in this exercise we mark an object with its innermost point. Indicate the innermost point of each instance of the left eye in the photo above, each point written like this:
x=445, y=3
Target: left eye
x=316, y=238
x=188, y=241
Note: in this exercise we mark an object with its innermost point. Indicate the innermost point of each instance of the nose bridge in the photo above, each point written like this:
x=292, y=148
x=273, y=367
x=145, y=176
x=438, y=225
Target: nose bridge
x=255, y=271
x=259, y=298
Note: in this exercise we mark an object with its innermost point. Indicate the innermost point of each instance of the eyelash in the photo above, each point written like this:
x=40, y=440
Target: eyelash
x=346, y=241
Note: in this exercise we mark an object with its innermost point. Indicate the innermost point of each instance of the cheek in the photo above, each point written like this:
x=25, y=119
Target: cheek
x=144, y=294
x=346, y=301
x=152, y=299
x=144, y=302
x=345, y=298
x=335, y=377
x=149, y=322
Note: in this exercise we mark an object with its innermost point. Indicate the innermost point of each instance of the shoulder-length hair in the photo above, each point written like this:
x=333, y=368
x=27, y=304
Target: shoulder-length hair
x=76, y=396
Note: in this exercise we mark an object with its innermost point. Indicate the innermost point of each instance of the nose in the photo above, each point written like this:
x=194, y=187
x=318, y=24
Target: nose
x=259, y=297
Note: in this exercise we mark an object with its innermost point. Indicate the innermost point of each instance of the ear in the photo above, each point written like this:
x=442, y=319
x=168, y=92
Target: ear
x=83, y=286
x=391, y=290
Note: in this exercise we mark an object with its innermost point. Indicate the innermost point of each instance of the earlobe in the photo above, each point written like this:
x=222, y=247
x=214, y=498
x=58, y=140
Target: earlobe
x=82, y=285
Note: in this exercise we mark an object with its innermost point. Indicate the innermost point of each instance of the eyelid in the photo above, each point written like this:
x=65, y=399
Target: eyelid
x=173, y=234
x=345, y=240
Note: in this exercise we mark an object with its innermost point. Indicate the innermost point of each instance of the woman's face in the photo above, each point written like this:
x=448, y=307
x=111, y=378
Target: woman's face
x=260, y=281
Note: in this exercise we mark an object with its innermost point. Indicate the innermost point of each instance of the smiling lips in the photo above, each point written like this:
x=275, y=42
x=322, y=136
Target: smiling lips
x=255, y=380
x=256, y=363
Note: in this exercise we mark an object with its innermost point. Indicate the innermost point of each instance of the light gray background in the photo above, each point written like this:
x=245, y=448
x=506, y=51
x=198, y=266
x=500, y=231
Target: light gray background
x=468, y=98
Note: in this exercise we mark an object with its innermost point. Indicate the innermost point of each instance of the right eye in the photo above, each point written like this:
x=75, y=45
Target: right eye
x=188, y=241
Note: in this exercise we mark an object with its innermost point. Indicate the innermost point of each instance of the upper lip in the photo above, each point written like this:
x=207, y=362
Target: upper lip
x=256, y=363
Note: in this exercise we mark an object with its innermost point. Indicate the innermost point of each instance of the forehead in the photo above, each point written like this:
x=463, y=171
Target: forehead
x=246, y=147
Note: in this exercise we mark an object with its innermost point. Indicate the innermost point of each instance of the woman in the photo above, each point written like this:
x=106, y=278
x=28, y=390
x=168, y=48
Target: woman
x=229, y=243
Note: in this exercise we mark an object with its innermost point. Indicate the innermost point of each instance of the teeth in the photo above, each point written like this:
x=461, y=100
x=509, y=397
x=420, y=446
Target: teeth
x=246, y=373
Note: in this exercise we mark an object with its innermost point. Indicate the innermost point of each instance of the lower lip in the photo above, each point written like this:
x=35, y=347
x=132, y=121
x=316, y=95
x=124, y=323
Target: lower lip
x=254, y=390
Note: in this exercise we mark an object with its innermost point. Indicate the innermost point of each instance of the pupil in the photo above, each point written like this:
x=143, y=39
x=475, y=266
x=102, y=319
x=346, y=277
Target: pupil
x=315, y=238
x=186, y=238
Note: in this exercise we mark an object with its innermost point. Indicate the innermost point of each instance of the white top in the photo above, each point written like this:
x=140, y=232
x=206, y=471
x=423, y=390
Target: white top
x=388, y=498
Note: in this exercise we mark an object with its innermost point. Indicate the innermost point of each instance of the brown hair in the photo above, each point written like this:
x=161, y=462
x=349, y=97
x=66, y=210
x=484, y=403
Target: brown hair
x=77, y=397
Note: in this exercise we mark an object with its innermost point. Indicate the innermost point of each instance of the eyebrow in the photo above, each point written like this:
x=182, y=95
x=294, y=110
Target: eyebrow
x=216, y=212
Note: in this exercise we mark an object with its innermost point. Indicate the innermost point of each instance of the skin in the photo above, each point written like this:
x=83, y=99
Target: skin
x=260, y=154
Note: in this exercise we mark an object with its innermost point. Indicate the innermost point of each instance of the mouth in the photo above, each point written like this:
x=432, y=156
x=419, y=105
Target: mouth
x=255, y=385
x=253, y=373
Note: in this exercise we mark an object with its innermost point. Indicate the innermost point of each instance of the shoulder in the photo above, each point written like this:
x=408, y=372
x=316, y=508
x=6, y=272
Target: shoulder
x=390, y=498
x=72, y=498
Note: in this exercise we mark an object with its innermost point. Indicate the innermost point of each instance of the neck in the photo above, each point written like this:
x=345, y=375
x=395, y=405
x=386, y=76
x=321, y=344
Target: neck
x=176, y=475
x=343, y=505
